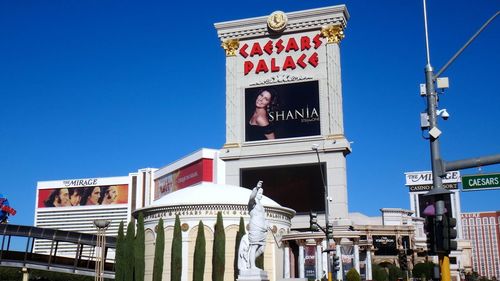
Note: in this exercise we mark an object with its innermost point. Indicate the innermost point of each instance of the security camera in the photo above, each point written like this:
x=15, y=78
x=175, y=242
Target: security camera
x=443, y=113
x=315, y=146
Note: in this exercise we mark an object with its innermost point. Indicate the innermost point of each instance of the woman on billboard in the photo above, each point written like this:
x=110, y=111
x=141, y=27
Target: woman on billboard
x=260, y=128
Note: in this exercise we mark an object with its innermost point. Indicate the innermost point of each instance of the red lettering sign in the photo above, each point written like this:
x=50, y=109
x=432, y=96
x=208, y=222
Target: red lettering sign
x=290, y=62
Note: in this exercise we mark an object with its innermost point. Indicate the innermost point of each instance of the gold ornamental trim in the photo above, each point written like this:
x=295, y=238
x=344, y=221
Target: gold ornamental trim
x=333, y=33
x=231, y=145
x=335, y=137
x=231, y=46
x=277, y=21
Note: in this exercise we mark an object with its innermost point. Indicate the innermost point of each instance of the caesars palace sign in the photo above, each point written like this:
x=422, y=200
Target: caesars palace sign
x=286, y=53
x=292, y=46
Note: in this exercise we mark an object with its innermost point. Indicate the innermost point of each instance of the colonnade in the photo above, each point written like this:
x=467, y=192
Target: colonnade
x=294, y=257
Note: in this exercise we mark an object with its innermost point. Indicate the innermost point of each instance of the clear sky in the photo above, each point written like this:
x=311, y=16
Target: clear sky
x=104, y=88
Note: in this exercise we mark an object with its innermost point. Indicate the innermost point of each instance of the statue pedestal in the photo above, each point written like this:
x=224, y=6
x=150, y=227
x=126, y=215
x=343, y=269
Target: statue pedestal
x=252, y=275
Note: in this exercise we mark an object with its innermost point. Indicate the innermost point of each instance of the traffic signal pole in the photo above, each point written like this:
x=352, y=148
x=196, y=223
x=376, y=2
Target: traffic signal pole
x=328, y=228
x=440, y=167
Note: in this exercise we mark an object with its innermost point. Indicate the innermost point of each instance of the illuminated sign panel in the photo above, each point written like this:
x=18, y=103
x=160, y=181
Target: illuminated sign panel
x=282, y=111
x=191, y=174
x=298, y=187
x=83, y=196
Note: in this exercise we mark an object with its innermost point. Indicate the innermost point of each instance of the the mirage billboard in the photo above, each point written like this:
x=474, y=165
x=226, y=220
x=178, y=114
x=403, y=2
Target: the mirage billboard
x=71, y=196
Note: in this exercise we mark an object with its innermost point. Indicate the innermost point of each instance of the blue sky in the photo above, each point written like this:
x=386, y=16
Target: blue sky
x=103, y=88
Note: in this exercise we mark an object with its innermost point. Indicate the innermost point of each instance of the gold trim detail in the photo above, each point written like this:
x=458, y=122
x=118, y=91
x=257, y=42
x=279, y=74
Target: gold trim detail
x=335, y=137
x=231, y=46
x=333, y=33
x=277, y=21
x=231, y=145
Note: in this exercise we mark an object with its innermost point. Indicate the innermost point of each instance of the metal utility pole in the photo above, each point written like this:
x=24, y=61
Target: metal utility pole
x=328, y=228
x=440, y=167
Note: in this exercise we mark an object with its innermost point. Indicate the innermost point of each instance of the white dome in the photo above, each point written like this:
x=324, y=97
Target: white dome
x=210, y=193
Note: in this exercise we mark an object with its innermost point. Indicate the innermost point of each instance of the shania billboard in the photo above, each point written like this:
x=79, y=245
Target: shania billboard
x=282, y=111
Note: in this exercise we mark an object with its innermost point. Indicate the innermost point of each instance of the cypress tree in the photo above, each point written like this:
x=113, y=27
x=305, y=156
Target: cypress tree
x=241, y=232
x=119, y=256
x=159, y=251
x=176, y=261
x=199, y=254
x=139, y=249
x=129, y=252
x=219, y=250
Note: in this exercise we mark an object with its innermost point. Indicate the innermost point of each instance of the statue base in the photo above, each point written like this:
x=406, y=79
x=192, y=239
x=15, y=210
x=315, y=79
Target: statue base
x=252, y=275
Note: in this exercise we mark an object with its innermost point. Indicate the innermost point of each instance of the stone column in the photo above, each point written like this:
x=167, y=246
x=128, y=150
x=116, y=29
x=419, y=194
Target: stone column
x=356, y=254
x=301, y=258
x=368, y=263
x=286, y=260
x=334, y=127
x=232, y=98
x=319, y=259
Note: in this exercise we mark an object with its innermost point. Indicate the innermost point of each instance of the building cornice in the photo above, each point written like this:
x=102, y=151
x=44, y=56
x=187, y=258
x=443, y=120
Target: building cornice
x=313, y=19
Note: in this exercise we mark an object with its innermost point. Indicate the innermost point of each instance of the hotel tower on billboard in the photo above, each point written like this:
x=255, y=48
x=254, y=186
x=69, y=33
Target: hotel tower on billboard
x=284, y=98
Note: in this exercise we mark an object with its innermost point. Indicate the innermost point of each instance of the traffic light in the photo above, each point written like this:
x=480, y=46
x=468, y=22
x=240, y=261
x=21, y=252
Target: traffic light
x=403, y=261
x=430, y=232
x=335, y=263
x=329, y=230
x=449, y=233
x=313, y=221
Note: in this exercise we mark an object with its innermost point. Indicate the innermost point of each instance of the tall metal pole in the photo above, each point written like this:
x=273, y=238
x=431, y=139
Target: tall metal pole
x=327, y=221
x=440, y=167
x=436, y=163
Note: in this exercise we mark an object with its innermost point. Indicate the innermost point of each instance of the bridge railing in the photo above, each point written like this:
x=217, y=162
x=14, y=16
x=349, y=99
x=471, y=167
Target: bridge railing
x=81, y=262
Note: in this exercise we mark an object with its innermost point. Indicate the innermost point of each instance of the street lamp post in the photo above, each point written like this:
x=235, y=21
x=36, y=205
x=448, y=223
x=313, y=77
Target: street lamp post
x=101, y=225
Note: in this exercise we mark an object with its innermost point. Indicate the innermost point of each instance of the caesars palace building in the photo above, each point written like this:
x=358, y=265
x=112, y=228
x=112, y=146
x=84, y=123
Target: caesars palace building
x=283, y=98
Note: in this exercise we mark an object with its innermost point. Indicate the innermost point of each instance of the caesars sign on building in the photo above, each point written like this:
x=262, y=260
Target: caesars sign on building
x=284, y=95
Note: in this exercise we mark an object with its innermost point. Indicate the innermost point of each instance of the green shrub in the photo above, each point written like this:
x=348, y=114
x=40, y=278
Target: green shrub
x=139, y=249
x=395, y=272
x=353, y=275
x=423, y=270
x=379, y=273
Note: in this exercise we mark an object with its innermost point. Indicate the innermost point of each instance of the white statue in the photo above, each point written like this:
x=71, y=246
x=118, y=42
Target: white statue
x=252, y=244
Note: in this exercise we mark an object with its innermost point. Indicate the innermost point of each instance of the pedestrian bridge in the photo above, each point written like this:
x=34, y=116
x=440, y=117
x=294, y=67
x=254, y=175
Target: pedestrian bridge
x=83, y=262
